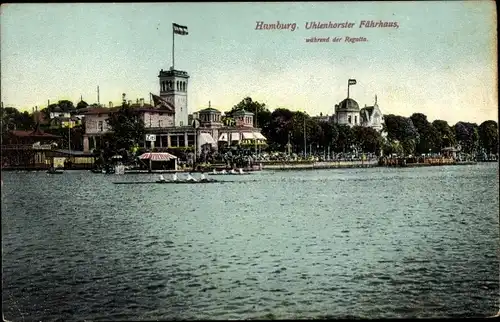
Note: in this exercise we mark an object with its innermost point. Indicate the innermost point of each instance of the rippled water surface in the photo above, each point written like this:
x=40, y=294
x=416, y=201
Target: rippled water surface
x=375, y=243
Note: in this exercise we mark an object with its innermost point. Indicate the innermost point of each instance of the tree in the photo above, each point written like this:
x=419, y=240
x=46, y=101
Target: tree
x=329, y=134
x=260, y=110
x=430, y=139
x=81, y=104
x=446, y=134
x=14, y=119
x=280, y=127
x=345, y=138
x=126, y=130
x=367, y=139
x=66, y=106
x=467, y=135
x=488, y=136
x=401, y=129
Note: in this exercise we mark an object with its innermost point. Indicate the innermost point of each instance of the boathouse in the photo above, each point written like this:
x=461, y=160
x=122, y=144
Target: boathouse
x=28, y=149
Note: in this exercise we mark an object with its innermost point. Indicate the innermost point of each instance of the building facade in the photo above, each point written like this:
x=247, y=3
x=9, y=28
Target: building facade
x=348, y=113
x=168, y=119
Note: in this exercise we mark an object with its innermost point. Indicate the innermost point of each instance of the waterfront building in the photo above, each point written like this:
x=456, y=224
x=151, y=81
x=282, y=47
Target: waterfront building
x=27, y=149
x=348, y=113
x=371, y=116
x=173, y=127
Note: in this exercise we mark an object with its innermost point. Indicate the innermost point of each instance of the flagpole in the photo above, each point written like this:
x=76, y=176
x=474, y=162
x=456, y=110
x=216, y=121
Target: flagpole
x=305, y=141
x=348, y=84
x=255, y=139
x=173, y=47
x=69, y=136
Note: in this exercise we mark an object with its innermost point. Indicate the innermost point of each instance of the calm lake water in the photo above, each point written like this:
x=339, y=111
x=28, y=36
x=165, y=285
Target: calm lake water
x=375, y=243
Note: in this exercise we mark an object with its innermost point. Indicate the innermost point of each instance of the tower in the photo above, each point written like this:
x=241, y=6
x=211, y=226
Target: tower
x=173, y=88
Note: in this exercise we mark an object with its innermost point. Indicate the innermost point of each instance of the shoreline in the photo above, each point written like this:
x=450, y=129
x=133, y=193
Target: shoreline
x=285, y=166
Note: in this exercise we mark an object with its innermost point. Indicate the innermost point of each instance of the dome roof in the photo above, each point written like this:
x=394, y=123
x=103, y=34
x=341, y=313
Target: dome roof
x=349, y=105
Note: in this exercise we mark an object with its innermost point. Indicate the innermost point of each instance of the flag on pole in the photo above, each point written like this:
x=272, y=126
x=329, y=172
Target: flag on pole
x=161, y=103
x=352, y=82
x=180, y=30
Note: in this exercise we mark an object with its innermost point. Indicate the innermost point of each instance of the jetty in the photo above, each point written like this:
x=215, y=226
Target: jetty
x=421, y=162
x=314, y=165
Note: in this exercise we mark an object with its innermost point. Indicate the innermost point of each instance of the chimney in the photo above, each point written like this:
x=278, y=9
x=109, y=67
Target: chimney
x=110, y=104
x=142, y=102
x=137, y=101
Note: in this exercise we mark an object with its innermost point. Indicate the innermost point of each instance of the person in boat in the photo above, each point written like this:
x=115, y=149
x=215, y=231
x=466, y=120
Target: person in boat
x=240, y=170
x=233, y=171
x=190, y=177
x=223, y=171
x=174, y=176
x=203, y=178
x=214, y=171
x=162, y=179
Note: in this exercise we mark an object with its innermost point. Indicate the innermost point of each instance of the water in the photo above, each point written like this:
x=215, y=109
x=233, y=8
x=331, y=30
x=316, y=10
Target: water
x=367, y=243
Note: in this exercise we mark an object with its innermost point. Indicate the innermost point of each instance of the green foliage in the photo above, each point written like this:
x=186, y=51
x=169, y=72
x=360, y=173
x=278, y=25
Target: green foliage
x=402, y=129
x=430, y=138
x=488, y=136
x=81, y=104
x=12, y=119
x=467, y=135
x=446, y=133
x=405, y=135
x=367, y=139
x=127, y=131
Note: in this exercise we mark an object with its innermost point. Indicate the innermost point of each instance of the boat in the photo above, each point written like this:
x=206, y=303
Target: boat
x=231, y=172
x=172, y=182
x=187, y=181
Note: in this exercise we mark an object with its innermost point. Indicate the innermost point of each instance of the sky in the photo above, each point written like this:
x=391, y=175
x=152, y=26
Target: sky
x=441, y=61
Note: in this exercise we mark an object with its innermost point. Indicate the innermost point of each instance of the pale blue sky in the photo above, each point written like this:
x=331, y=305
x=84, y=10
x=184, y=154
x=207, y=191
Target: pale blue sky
x=441, y=61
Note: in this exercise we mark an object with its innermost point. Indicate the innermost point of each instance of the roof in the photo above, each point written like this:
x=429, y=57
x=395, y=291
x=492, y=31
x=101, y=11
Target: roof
x=348, y=105
x=173, y=72
x=36, y=133
x=209, y=109
x=366, y=113
x=100, y=110
x=241, y=112
x=136, y=107
x=73, y=152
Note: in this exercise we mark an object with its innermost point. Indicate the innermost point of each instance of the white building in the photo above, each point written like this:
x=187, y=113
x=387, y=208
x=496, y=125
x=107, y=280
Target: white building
x=174, y=89
x=348, y=113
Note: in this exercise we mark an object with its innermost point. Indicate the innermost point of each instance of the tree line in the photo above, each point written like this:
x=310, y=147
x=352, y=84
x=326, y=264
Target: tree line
x=402, y=135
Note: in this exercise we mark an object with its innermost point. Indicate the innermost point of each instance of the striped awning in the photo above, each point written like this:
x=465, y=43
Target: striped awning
x=157, y=156
x=235, y=136
x=223, y=137
x=259, y=136
x=247, y=136
x=205, y=138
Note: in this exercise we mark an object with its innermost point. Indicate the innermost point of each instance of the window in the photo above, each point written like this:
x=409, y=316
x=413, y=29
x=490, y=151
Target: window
x=101, y=126
x=355, y=119
x=181, y=123
x=349, y=119
x=159, y=123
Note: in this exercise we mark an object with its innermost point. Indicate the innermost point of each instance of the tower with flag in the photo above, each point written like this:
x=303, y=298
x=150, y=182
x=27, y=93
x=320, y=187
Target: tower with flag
x=174, y=84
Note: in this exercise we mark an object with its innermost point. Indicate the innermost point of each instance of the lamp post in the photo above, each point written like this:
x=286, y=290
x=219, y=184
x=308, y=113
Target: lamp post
x=196, y=125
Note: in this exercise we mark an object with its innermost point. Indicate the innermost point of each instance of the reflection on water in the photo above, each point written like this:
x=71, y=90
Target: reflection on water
x=374, y=243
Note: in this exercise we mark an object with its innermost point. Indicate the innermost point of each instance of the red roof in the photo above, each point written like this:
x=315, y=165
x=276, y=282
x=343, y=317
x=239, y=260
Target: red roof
x=146, y=108
x=37, y=133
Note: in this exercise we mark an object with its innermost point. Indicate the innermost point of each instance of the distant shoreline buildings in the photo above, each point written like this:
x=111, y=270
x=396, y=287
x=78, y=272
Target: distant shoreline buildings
x=168, y=122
